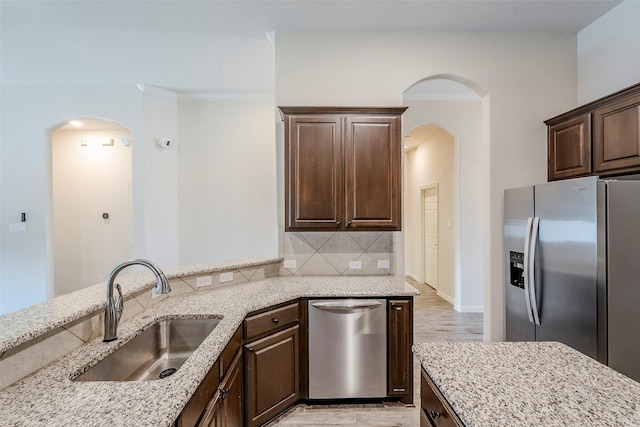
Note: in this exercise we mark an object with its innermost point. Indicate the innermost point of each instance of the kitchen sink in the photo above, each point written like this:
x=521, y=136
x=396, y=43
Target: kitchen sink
x=156, y=353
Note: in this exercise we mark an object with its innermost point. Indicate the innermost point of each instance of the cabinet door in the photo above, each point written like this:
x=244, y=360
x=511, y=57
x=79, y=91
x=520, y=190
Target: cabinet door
x=616, y=136
x=313, y=172
x=272, y=375
x=569, y=148
x=400, y=375
x=225, y=408
x=233, y=395
x=373, y=167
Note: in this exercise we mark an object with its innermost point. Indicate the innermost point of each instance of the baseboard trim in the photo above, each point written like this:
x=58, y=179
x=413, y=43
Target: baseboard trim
x=472, y=309
x=413, y=276
x=445, y=297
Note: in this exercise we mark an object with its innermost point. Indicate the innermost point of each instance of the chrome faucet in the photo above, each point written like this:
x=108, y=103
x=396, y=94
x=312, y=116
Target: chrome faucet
x=113, y=309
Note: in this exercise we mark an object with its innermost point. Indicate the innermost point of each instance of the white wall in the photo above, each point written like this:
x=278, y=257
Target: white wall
x=526, y=77
x=609, y=53
x=431, y=162
x=464, y=120
x=88, y=181
x=85, y=60
x=227, y=182
x=28, y=114
x=155, y=175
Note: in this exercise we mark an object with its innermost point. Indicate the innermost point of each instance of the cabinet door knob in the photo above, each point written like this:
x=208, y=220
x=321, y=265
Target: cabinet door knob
x=348, y=224
x=275, y=320
x=250, y=349
x=337, y=223
x=434, y=414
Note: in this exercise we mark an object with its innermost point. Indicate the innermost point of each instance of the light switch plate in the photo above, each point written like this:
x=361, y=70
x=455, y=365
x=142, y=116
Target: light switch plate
x=355, y=265
x=289, y=263
x=384, y=263
x=203, y=281
x=227, y=276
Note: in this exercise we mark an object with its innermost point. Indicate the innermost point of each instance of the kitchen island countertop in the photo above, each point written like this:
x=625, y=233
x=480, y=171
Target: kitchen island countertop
x=50, y=398
x=529, y=384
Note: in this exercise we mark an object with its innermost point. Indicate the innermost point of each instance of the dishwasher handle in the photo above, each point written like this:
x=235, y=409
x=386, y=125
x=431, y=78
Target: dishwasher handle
x=345, y=305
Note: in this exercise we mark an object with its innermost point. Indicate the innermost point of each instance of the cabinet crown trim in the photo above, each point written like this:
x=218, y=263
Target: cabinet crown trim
x=341, y=110
x=589, y=107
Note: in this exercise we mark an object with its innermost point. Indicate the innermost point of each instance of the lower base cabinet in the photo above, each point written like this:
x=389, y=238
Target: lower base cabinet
x=272, y=370
x=226, y=409
x=263, y=370
x=434, y=408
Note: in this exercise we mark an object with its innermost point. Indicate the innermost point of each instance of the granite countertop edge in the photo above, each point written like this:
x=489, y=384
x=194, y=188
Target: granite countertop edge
x=529, y=384
x=50, y=397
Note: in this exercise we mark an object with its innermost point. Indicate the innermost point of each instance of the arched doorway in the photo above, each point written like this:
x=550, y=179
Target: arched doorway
x=91, y=201
x=444, y=104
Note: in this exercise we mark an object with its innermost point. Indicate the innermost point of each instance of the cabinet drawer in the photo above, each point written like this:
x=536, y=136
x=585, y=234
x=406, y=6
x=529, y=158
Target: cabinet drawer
x=270, y=321
x=433, y=405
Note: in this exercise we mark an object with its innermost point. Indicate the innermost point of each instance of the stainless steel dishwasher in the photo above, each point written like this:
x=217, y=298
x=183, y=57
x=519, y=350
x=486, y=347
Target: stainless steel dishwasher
x=347, y=348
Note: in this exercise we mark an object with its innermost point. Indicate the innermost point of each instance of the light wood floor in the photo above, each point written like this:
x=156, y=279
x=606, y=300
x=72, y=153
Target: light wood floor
x=434, y=320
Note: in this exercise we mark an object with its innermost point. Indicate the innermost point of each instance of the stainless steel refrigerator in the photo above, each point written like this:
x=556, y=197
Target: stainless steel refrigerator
x=572, y=251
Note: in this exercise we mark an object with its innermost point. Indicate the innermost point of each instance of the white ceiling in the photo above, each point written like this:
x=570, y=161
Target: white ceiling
x=248, y=18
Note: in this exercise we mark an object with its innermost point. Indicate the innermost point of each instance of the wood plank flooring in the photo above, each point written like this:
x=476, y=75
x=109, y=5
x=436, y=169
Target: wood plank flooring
x=434, y=320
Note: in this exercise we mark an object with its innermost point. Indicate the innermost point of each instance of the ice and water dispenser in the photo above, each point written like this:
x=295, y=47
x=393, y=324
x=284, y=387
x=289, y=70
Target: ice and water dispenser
x=516, y=269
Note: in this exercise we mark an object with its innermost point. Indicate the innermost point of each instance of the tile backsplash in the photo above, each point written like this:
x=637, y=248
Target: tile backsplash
x=320, y=253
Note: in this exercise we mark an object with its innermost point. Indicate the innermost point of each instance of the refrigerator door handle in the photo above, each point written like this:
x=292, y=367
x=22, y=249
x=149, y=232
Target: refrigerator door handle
x=532, y=271
x=527, y=244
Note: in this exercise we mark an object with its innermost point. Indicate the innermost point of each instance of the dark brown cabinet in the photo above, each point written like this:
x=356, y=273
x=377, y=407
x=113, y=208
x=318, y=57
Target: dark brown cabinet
x=272, y=362
x=273, y=379
x=569, y=148
x=218, y=400
x=616, y=136
x=598, y=138
x=226, y=407
x=342, y=168
x=435, y=411
x=400, y=340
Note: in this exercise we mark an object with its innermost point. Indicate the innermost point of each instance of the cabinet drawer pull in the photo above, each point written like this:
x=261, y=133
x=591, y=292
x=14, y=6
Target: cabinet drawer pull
x=434, y=414
x=250, y=349
x=275, y=320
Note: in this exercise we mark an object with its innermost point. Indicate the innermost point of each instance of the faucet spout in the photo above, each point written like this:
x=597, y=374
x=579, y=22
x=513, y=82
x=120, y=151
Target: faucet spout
x=114, y=305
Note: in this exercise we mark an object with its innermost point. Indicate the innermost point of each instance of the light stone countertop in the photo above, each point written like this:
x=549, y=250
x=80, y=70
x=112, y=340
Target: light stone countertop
x=50, y=398
x=529, y=384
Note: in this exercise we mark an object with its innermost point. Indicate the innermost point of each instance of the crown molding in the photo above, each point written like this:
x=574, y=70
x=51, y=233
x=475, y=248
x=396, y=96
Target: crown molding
x=225, y=96
x=155, y=90
x=441, y=97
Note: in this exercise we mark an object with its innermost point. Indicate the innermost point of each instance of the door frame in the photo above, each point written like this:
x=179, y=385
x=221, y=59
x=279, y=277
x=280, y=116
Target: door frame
x=423, y=190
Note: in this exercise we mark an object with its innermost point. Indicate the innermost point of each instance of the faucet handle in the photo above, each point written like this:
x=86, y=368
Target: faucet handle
x=118, y=302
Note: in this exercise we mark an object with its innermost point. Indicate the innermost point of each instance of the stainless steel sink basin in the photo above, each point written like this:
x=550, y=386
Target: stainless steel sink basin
x=156, y=353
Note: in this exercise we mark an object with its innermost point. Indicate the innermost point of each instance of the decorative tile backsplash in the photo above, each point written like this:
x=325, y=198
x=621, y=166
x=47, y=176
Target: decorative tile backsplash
x=321, y=253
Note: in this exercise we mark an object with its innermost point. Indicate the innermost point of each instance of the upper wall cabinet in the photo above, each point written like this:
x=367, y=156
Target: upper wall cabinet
x=342, y=168
x=599, y=138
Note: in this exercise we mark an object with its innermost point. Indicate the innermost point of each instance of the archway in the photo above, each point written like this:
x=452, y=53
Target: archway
x=90, y=201
x=453, y=106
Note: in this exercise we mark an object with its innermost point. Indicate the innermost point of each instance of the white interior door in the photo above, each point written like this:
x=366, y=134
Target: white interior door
x=430, y=235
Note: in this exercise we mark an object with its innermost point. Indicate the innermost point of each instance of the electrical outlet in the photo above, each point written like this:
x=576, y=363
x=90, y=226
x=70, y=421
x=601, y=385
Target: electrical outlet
x=384, y=263
x=17, y=227
x=289, y=263
x=355, y=265
x=203, y=281
x=227, y=276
